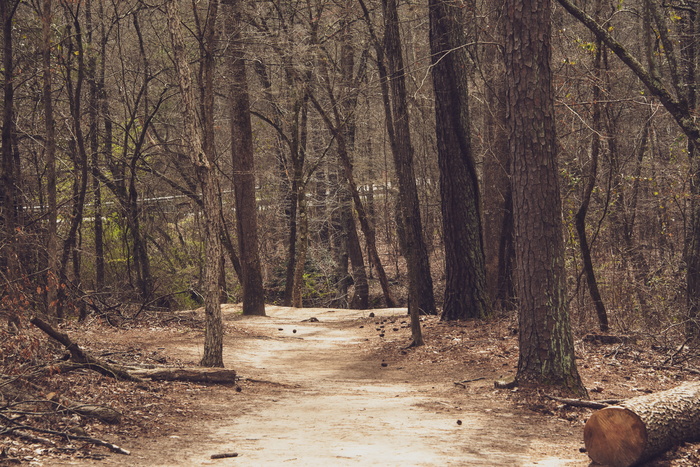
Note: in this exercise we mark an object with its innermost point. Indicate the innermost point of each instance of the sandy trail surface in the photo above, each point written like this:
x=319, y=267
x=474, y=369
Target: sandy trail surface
x=315, y=394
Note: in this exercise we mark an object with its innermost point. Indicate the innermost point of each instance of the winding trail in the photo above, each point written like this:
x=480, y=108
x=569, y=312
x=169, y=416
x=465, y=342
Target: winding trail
x=317, y=396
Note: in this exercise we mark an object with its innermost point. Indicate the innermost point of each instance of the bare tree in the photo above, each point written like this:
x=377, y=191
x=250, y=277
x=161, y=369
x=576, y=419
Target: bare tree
x=679, y=99
x=213, y=340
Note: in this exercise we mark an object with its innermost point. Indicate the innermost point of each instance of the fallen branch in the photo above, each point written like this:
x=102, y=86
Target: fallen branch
x=20, y=431
x=79, y=356
x=584, y=403
x=461, y=383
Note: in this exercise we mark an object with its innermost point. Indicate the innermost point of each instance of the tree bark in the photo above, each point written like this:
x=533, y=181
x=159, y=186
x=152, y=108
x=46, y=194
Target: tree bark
x=213, y=339
x=546, y=342
x=8, y=204
x=640, y=428
x=465, y=284
x=420, y=283
x=496, y=185
x=244, y=169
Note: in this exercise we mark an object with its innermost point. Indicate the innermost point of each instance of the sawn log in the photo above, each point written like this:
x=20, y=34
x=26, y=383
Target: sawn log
x=640, y=428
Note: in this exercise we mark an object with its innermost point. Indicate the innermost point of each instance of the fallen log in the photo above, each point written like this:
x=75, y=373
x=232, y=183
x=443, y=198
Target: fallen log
x=192, y=375
x=643, y=427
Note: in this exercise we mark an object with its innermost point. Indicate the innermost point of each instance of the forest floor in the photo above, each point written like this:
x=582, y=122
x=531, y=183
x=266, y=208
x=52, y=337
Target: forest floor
x=322, y=387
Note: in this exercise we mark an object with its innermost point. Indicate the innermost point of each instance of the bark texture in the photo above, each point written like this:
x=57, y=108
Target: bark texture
x=546, y=343
x=643, y=427
x=244, y=171
x=465, y=284
x=421, y=299
x=213, y=336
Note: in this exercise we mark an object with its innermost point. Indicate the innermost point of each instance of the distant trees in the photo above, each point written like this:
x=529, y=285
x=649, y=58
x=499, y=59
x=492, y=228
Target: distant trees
x=367, y=141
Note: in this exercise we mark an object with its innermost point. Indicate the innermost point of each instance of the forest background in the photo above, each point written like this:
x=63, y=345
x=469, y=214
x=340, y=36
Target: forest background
x=102, y=210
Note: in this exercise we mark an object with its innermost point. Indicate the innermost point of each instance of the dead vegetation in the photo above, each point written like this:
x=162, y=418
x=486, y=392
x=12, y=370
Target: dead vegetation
x=55, y=407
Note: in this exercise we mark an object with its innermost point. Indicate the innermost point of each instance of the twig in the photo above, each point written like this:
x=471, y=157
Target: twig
x=461, y=383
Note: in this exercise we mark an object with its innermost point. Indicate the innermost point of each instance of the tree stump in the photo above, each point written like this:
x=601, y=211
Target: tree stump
x=642, y=427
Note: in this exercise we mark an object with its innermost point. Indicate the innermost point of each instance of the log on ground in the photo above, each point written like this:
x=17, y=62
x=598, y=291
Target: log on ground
x=643, y=427
x=193, y=375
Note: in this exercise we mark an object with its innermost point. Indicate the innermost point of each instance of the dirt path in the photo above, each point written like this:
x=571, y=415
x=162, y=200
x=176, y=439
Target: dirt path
x=317, y=396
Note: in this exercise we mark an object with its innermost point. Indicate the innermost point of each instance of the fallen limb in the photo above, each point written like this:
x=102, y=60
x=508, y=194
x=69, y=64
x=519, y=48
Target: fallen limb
x=99, y=412
x=585, y=403
x=193, y=375
x=640, y=428
x=79, y=356
x=21, y=431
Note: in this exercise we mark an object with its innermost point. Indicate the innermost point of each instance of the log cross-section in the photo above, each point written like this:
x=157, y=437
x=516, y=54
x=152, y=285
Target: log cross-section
x=642, y=427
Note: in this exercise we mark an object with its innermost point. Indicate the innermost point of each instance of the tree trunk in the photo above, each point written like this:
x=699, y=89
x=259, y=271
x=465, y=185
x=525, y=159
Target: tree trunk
x=465, y=284
x=52, y=279
x=213, y=339
x=8, y=192
x=420, y=283
x=590, y=181
x=301, y=249
x=546, y=343
x=244, y=170
x=92, y=110
x=79, y=159
x=642, y=427
x=496, y=184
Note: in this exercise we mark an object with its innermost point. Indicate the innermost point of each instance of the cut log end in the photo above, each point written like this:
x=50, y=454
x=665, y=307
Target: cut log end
x=615, y=436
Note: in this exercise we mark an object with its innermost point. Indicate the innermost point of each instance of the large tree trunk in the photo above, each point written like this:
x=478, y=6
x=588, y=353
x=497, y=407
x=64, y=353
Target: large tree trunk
x=213, y=339
x=642, y=427
x=465, y=285
x=244, y=170
x=546, y=343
